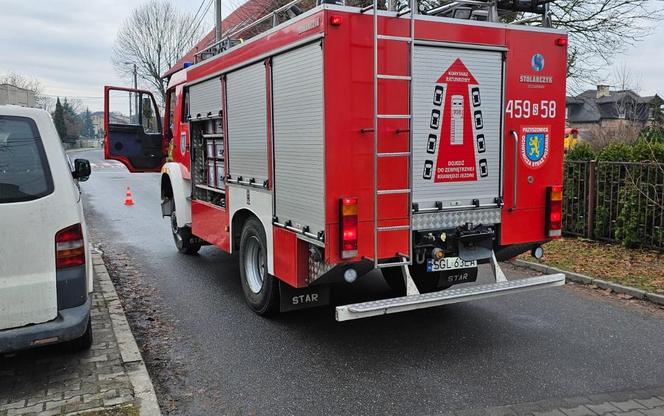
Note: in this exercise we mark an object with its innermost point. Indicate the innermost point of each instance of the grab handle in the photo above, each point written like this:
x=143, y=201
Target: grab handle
x=515, y=136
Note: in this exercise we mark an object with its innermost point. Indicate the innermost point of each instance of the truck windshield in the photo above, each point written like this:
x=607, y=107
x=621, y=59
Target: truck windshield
x=24, y=172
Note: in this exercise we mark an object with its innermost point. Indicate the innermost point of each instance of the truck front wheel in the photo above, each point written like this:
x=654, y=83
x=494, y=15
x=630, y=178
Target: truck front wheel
x=261, y=290
x=182, y=237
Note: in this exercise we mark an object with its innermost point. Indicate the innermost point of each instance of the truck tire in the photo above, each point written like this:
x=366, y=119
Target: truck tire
x=426, y=282
x=261, y=290
x=182, y=237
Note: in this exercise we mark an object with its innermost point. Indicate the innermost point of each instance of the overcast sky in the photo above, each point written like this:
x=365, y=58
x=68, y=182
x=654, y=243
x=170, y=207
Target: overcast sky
x=67, y=45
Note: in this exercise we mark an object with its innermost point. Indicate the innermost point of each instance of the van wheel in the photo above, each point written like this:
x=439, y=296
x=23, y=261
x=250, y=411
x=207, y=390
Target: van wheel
x=182, y=237
x=261, y=290
x=426, y=282
x=84, y=342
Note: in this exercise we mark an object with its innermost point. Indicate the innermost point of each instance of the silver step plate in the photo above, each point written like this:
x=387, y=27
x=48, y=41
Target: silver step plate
x=444, y=297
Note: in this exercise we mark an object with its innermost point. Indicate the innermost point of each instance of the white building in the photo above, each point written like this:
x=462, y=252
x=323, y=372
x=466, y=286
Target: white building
x=11, y=94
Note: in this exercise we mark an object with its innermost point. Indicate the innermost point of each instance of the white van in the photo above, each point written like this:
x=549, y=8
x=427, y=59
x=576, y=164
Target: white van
x=45, y=267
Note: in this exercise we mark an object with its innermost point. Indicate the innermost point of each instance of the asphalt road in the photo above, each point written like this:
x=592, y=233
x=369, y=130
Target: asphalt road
x=546, y=344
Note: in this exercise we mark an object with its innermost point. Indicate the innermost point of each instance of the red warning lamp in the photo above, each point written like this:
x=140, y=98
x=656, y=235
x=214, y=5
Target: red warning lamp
x=562, y=42
x=336, y=20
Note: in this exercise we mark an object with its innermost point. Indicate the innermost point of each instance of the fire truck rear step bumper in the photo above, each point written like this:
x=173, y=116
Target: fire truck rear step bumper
x=429, y=300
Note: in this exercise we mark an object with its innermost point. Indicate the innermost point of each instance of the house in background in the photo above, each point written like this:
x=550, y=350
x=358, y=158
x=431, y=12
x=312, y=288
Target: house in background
x=11, y=94
x=98, y=121
x=603, y=109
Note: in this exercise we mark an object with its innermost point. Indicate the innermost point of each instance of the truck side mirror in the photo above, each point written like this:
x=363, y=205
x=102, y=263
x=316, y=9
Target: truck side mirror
x=81, y=170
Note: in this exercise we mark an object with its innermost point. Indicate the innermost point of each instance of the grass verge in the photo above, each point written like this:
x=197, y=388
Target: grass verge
x=643, y=269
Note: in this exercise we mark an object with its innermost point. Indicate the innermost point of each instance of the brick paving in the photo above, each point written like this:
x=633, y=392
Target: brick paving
x=51, y=381
x=648, y=402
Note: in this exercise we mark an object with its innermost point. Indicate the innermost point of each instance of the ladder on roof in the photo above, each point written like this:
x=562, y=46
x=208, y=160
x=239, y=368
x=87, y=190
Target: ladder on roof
x=379, y=155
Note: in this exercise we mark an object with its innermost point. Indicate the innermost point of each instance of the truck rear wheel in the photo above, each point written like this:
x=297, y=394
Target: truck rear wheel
x=182, y=237
x=261, y=290
x=426, y=282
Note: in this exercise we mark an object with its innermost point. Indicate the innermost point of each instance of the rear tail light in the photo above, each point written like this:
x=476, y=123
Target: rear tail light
x=554, y=211
x=69, y=247
x=348, y=223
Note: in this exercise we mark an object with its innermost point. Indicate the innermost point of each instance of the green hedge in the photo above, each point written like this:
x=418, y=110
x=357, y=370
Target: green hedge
x=629, y=190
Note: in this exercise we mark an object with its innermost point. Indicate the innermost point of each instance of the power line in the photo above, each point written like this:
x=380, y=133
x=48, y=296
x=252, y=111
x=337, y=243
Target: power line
x=196, y=14
x=81, y=97
x=202, y=17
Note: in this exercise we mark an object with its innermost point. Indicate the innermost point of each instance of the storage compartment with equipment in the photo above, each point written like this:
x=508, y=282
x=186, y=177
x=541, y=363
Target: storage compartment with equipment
x=208, y=162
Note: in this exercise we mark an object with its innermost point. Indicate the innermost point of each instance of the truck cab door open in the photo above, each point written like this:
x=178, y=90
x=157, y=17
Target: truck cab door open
x=132, y=126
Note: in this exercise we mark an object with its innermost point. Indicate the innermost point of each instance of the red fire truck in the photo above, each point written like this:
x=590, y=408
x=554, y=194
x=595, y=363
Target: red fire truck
x=349, y=139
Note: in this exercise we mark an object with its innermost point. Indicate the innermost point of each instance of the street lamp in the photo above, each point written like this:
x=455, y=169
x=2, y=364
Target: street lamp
x=135, y=87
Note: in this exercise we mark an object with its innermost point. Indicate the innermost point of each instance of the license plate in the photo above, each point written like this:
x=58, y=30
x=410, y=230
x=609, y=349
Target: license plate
x=449, y=263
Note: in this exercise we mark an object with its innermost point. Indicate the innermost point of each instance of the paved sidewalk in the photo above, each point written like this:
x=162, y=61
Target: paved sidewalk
x=647, y=402
x=109, y=379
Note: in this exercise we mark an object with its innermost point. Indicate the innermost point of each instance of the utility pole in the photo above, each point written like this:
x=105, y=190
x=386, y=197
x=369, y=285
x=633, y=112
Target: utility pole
x=135, y=72
x=136, y=94
x=217, y=23
x=546, y=20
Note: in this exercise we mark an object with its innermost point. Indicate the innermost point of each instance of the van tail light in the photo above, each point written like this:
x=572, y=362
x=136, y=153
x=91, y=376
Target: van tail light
x=69, y=247
x=554, y=211
x=348, y=211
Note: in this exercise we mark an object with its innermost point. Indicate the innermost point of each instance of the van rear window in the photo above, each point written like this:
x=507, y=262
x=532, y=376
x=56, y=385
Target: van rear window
x=24, y=172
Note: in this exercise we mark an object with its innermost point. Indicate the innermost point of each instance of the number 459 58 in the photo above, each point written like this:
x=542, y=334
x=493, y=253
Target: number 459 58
x=527, y=109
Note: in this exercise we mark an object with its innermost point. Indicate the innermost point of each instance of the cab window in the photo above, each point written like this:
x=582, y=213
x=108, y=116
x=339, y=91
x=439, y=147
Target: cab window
x=134, y=108
x=171, y=112
x=149, y=116
x=185, y=107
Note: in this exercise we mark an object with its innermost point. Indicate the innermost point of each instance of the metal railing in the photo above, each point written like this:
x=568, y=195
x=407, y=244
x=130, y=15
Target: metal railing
x=615, y=201
x=576, y=189
x=230, y=39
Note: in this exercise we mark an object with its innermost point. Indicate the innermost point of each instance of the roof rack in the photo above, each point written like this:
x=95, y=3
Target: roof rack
x=493, y=10
x=231, y=39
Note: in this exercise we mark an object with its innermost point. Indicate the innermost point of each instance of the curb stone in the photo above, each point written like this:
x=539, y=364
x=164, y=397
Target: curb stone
x=654, y=297
x=129, y=352
x=587, y=280
x=81, y=149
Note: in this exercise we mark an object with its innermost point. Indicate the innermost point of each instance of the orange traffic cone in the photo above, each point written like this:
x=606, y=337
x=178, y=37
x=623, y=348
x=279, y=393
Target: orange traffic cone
x=129, y=200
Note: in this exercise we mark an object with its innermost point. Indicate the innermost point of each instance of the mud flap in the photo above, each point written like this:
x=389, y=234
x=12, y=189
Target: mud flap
x=291, y=299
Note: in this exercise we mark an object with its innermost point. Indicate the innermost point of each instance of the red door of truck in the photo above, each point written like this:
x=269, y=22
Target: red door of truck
x=534, y=127
x=133, y=130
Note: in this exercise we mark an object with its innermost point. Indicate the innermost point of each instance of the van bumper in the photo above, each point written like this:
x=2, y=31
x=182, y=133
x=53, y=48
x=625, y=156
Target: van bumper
x=70, y=324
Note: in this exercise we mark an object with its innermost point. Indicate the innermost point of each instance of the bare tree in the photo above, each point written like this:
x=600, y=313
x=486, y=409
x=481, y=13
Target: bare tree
x=630, y=113
x=28, y=83
x=599, y=30
x=624, y=79
x=598, y=137
x=154, y=37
